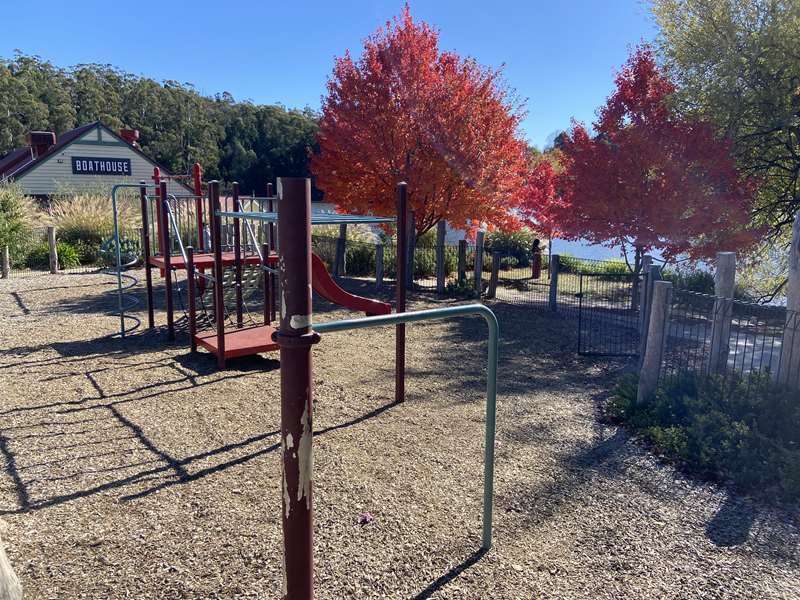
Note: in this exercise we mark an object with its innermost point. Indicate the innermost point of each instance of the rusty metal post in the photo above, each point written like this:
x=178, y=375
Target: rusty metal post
x=219, y=275
x=265, y=278
x=197, y=179
x=148, y=275
x=400, y=289
x=237, y=254
x=190, y=291
x=165, y=250
x=295, y=339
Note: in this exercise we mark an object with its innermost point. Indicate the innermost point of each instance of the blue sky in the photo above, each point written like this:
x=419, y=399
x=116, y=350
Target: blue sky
x=559, y=55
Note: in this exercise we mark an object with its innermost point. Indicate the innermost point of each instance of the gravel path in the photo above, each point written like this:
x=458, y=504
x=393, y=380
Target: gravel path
x=135, y=470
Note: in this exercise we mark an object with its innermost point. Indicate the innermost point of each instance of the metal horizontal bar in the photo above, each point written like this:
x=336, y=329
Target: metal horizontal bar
x=491, y=376
x=316, y=218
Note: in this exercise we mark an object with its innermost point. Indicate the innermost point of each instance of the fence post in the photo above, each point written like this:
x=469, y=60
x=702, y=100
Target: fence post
x=441, y=228
x=656, y=335
x=647, y=264
x=6, y=263
x=379, y=266
x=492, y=291
x=51, y=244
x=724, y=280
x=341, y=247
x=554, y=266
x=411, y=248
x=462, y=261
x=637, y=295
x=653, y=275
x=479, y=262
x=789, y=365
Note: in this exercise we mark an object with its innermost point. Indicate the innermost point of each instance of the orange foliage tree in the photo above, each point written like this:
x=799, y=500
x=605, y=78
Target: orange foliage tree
x=649, y=179
x=406, y=111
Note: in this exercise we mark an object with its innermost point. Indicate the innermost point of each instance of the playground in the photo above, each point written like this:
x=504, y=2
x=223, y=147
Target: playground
x=137, y=469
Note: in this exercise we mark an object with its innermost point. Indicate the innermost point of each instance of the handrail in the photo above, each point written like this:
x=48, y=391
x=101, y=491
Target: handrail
x=171, y=217
x=491, y=383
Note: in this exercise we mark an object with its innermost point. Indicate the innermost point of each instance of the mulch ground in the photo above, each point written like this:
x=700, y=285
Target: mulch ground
x=133, y=469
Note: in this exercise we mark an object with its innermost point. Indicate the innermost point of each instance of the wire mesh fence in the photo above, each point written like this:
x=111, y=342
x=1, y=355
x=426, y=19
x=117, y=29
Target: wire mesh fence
x=29, y=255
x=752, y=339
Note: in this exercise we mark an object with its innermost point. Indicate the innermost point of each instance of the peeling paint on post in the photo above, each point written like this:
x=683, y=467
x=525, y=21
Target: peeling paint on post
x=295, y=339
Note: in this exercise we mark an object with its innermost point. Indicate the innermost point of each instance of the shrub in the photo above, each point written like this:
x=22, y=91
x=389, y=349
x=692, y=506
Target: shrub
x=464, y=289
x=571, y=264
x=698, y=280
x=745, y=431
x=39, y=257
x=514, y=243
x=84, y=221
x=360, y=259
x=17, y=215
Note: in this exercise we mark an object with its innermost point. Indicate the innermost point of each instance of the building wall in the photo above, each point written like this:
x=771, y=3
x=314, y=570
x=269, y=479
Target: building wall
x=55, y=173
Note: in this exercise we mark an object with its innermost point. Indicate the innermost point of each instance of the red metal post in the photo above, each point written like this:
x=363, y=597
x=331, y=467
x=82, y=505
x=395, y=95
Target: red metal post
x=295, y=339
x=400, y=290
x=237, y=254
x=219, y=275
x=271, y=229
x=266, y=277
x=157, y=184
x=148, y=275
x=197, y=178
x=190, y=290
x=165, y=251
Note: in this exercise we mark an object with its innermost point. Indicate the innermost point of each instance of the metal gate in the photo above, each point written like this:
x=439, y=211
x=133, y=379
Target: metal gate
x=608, y=314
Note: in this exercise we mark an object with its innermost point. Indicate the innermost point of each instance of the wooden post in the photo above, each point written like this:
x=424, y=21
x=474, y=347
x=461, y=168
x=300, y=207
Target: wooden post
x=724, y=283
x=656, y=336
x=339, y=267
x=10, y=586
x=295, y=339
x=479, y=262
x=190, y=292
x=492, y=291
x=652, y=276
x=379, y=265
x=411, y=248
x=462, y=261
x=789, y=367
x=51, y=244
x=554, y=268
x=637, y=293
x=6, y=270
x=441, y=230
x=647, y=263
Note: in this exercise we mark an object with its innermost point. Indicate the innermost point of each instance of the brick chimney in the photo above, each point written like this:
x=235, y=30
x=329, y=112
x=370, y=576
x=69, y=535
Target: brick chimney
x=41, y=141
x=131, y=136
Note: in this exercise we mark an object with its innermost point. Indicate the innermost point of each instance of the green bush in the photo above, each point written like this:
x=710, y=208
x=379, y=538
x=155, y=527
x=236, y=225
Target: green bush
x=745, y=431
x=514, y=243
x=697, y=280
x=39, y=257
x=360, y=259
x=464, y=289
x=571, y=264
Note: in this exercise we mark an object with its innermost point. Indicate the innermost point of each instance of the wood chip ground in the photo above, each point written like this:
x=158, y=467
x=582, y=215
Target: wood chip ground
x=133, y=469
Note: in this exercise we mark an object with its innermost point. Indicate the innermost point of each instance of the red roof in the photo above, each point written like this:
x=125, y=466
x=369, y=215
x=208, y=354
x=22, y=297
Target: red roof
x=20, y=160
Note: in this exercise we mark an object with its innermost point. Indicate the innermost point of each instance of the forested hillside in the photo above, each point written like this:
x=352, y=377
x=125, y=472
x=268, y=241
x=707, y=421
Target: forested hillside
x=233, y=140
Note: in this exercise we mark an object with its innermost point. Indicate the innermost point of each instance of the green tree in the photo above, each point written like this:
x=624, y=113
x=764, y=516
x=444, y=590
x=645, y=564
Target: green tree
x=737, y=65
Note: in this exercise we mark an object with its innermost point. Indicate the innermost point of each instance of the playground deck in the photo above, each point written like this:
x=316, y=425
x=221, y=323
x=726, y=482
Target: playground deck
x=205, y=261
x=239, y=342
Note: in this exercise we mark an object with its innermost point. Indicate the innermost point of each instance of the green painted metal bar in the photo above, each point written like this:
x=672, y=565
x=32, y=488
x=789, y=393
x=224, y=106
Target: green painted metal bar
x=316, y=218
x=491, y=383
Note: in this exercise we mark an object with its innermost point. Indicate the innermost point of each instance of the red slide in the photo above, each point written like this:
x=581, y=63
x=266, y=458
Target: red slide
x=326, y=287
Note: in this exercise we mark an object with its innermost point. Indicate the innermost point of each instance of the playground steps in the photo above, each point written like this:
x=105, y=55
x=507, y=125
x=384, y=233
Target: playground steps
x=239, y=342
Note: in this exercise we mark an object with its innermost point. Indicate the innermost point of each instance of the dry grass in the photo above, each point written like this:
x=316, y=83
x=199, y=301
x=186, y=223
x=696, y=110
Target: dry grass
x=135, y=470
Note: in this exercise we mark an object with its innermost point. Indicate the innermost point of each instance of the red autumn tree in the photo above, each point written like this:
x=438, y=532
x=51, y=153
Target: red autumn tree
x=406, y=111
x=647, y=180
